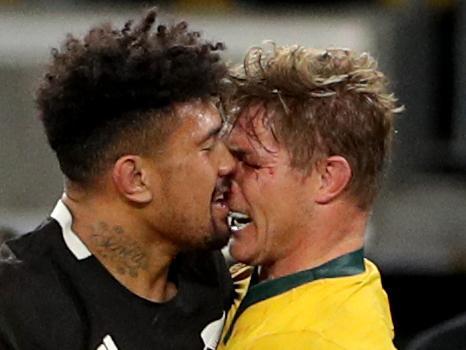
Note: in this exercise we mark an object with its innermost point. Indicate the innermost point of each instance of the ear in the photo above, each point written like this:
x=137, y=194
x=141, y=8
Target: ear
x=334, y=176
x=131, y=179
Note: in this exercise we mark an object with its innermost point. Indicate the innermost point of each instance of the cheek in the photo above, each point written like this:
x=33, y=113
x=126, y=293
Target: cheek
x=258, y=186
x=208, y=169
x=193, y=179
x=251, y=182
x=202, y=178
x=261, y=178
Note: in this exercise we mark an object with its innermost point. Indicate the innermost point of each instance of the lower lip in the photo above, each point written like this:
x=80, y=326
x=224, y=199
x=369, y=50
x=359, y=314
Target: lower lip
x=221, y=206
x=239, y=232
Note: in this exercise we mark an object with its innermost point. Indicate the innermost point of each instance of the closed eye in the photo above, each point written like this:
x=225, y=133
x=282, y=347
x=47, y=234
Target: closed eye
x=208, y=147
x=244, y=158
x=251, y=165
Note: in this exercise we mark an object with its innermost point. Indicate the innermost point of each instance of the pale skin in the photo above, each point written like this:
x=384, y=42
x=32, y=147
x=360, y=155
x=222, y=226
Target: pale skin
x=300, y=220
x=122, y=217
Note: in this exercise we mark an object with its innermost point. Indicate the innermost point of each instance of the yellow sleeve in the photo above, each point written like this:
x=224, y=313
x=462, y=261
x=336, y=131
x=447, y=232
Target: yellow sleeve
x=304, y=340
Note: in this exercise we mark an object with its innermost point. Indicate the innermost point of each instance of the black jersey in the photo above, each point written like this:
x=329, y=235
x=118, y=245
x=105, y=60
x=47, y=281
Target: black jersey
x=53, y=297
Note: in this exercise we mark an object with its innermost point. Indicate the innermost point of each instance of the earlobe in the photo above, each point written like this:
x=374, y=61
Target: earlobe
x=131, y=180
x=335, y=175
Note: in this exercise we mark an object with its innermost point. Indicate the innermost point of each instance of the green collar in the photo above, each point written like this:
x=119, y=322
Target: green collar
x=345, y=265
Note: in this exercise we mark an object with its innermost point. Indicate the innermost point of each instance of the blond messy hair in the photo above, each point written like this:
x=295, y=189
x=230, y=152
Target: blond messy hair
x=324, y=103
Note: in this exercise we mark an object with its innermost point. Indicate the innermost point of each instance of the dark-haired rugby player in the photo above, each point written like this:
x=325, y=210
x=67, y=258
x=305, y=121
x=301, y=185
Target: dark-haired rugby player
x=126, y=259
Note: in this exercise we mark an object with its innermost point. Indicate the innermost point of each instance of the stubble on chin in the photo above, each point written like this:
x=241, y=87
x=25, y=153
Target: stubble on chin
x=216, y=241
x=209, y=239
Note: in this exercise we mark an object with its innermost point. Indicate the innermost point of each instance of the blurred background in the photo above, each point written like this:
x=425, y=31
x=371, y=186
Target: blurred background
x=418, y=229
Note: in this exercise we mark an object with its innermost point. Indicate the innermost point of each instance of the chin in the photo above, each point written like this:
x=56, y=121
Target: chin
x=216, y=241
x=220, y=228
x=220, y=231
x=239, y=254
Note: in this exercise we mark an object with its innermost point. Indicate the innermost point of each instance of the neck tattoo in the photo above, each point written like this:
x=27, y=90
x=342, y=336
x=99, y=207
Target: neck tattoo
x=115, y=246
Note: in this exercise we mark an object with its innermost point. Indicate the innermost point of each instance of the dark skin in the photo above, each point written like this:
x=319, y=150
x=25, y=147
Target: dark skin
x=126, y=254
x=145, y=210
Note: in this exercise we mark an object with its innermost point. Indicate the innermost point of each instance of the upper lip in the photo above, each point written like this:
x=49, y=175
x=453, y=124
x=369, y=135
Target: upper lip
x=222, y=190
x=238, y=220
x=238, y=213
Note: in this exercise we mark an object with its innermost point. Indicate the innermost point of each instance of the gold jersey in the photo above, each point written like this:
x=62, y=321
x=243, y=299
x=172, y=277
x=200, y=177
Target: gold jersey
x=339, y=305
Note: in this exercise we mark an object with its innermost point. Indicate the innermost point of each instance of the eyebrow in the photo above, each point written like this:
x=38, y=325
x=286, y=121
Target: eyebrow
x=212, y=133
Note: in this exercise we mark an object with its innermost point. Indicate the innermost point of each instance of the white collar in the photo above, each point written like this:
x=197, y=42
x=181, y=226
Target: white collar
x=63, y=215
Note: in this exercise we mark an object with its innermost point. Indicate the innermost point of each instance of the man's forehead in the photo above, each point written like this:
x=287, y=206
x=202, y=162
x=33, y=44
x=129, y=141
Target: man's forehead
x=200, y=111
x=194, y=105
x=253, y=119
x=252, y=130
x=198, y=120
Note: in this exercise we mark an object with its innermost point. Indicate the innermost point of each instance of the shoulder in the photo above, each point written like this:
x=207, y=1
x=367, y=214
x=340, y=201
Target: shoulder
x=25, y=285
x=27, y=270
x=369, y=299
x=351, y=294
x=27, y=255
x=301, y=339
x=345, y=310
x=35, y=243
x=33, y=294
x=26, y=260
x=304, y=340
x=355, y=311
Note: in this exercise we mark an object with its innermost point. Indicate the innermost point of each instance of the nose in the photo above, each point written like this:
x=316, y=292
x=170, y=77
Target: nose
x=227, y=161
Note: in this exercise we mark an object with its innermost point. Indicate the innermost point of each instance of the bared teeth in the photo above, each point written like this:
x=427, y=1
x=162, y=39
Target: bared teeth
x=237, y=221
x=219, y=197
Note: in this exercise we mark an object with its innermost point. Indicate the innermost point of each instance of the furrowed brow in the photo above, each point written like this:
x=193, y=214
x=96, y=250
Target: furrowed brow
x=238, y=153
x=214, y=132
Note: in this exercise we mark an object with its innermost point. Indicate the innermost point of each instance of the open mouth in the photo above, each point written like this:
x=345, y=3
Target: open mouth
x=238, y=221
x=220, y=197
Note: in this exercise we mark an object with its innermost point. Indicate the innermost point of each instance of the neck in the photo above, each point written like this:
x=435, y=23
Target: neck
x=336, y=233
x=118, y=237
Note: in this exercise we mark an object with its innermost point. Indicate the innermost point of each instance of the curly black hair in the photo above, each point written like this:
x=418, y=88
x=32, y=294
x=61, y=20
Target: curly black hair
x=112, y=83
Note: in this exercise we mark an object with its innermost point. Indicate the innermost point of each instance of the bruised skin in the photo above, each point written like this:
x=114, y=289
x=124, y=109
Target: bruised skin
x=266, y=188
x=299, y=219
